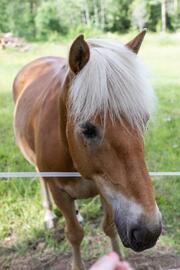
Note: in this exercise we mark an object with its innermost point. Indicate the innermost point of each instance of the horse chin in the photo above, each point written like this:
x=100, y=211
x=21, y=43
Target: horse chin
x=122, y=232
x=140, y=249
x=124, y=239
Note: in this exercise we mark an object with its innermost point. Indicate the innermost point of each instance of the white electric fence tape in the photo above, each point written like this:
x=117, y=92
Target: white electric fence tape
x=38, y=174
x=66, y=174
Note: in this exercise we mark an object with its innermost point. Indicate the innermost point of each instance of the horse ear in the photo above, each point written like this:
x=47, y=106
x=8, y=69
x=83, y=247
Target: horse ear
x=136, y=42
x=79, y=54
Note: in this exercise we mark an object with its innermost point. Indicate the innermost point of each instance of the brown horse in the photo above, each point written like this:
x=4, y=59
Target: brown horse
x=88, y=114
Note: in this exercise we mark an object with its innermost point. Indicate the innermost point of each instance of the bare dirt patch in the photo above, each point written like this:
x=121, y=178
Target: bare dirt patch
x=41, y=258
x=138, y=262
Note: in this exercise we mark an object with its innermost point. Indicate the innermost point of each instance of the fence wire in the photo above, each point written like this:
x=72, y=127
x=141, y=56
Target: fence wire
x=65, y=174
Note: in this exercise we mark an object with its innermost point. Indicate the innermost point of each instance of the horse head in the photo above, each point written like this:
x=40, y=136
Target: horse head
x=109, y=102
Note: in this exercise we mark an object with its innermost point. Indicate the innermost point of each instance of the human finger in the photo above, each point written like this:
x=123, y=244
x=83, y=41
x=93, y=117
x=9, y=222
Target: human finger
x=108, y=262
x=123, y=266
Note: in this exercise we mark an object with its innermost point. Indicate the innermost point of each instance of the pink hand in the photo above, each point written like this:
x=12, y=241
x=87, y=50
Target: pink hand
x=123, y=266
x=110, y=262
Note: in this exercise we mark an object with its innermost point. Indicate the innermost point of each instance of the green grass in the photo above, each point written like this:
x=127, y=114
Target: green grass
x=20, y=199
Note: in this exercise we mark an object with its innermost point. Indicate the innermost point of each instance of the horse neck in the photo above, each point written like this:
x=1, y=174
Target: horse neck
x=63, y=119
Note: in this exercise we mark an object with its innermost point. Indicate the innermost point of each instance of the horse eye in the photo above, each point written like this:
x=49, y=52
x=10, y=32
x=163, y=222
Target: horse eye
x=89, y=130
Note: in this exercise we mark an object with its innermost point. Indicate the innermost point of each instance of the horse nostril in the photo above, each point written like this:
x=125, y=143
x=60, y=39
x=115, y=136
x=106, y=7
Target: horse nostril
x=134, y=235
x=137, y=236
x=142, y=238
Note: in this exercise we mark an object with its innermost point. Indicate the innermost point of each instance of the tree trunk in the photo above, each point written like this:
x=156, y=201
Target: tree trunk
x=102, y=14
x=86, y=12
x=163, y=15
x=96, y=17
x=32, y=12
x=175, y=14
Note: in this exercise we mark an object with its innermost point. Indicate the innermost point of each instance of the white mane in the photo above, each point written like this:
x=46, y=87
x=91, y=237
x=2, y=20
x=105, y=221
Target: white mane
x=114, y=81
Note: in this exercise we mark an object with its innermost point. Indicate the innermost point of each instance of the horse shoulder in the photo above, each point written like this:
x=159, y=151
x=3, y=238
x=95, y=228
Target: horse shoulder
x=32, y=91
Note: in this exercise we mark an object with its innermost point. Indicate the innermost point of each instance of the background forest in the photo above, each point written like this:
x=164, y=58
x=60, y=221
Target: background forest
x=55, y=19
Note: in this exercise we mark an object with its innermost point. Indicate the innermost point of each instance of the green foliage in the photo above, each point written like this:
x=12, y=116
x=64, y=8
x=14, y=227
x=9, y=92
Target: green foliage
x=54, y=19
x=154, y=15
x=20, y=17
x=3, y=16
x=48, y=20
x=139, y=14
x=166, y=196
x=117, y=19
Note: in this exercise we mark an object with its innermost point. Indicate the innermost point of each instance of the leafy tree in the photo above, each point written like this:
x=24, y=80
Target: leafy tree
x=19, y=17
x=154, y=14
x=4, y=25
x=139, y=14
x=117, y=18
x=44, y=18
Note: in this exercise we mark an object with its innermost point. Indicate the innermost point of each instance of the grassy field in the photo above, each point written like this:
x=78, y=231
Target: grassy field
x=20, y=203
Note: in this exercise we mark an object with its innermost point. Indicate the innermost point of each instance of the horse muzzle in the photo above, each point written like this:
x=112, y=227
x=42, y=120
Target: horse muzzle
x=141, y=238
x=140, y=235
